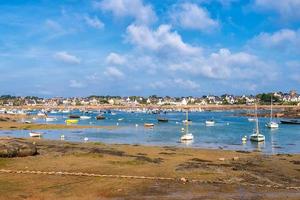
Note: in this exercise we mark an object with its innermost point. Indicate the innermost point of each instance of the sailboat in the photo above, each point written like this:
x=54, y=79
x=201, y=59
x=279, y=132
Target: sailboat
x=187, y=136
x=272, y=124
x=256, y=136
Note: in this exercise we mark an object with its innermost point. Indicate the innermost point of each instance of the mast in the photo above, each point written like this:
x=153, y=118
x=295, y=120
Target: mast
x=187, y=121
x=257, y=128
x=271, y=108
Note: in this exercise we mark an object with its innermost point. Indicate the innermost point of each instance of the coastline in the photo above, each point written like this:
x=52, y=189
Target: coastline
x=219, y=172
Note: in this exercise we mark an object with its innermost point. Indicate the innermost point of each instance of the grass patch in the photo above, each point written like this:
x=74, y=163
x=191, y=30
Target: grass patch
x=93, y=155
x=7, y=187
x=128, y=162
x=3, y=162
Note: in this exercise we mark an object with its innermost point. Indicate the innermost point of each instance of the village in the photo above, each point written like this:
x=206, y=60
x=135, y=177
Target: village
x=278, y=98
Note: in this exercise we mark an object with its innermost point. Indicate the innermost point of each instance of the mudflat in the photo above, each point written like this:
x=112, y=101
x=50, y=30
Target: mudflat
x=69, y=170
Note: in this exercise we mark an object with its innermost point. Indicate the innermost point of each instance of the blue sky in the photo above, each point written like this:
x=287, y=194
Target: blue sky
x=142, y=47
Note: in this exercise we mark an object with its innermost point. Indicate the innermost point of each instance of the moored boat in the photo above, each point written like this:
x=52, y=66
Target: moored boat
x=71, y=121
x=257, y=136
x=100, y=117
x=210, y=122
x=149, y=125
x=74, y=116
x=162, y=119
x=85, y=117
x=35, y=134
x=187, y=136
x=290, y=121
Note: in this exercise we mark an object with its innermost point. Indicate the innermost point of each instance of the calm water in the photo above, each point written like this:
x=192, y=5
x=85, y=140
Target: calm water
x=226, y=134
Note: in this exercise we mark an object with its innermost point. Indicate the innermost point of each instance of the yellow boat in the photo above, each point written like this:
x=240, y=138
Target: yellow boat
x=71, y=121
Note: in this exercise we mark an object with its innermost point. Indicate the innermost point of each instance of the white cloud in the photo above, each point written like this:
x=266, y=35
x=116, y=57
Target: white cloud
x=185, y=84
x=114, y=73
x=67, y=58
x=142, y=13
x=192, y=16
x=162, y=40
x=94, y=22
x=285, y=8
x=76, y=84
x=284, y=39
x=115, y=59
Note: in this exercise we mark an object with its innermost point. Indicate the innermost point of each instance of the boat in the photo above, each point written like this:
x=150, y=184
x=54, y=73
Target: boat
x=74, y=116
x=257, y=136
x=210, y=122
x=50, y=119
x=35, y=134
x=41, y=114
x=100, y=117
x=186, y=136
x=71, y=121
x=162, y=119
x=251, y=119
x=290, y=121
x=85, y=117
x=149, y=125
x=272, y=124
x=187, y=121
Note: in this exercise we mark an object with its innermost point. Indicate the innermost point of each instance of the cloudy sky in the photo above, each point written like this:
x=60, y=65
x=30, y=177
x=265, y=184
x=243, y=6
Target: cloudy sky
x=143, y=47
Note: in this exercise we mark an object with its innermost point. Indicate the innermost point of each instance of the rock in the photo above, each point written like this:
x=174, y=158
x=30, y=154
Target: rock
x=184, y=180
x=12, y=147
x=235, y=158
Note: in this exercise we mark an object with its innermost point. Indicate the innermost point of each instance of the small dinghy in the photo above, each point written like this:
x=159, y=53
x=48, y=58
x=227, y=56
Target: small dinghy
x=149, y=125
x=35, y=134
x=210, y=122
x=100, y=117
x=162, y=120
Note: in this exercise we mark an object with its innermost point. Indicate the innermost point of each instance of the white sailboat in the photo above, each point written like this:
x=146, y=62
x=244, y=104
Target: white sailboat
x=187, y=136
x=256, y=136
x=272, y=124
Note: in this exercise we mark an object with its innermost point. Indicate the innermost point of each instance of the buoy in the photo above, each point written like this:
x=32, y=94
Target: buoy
x=62, y=137
x=136, y=125
x=86, y=139
x=117, y=124
x=244, y=139
x=182, y=129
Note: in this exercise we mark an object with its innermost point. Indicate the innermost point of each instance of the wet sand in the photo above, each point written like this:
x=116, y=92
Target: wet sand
x=208, y=174
x=12, y=122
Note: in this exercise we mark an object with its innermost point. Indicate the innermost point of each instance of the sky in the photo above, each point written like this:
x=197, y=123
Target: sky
x=142, y=47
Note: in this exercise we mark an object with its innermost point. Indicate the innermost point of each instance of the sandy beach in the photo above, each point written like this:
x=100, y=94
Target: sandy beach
x=189, y=173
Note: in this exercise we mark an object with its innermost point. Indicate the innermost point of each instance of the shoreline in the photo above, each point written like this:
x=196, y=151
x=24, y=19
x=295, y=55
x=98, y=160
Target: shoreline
x=154, y=106
x=228, y=171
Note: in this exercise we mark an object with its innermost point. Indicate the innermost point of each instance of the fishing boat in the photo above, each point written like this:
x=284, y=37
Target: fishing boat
x=85, y=117
x=187, y=136
x=100, y=117
x=257, y=136
x=149, y=125
x=35, y=134
x=71, y=121
x=290, y=121
x=210, y=122
x=272, y=124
